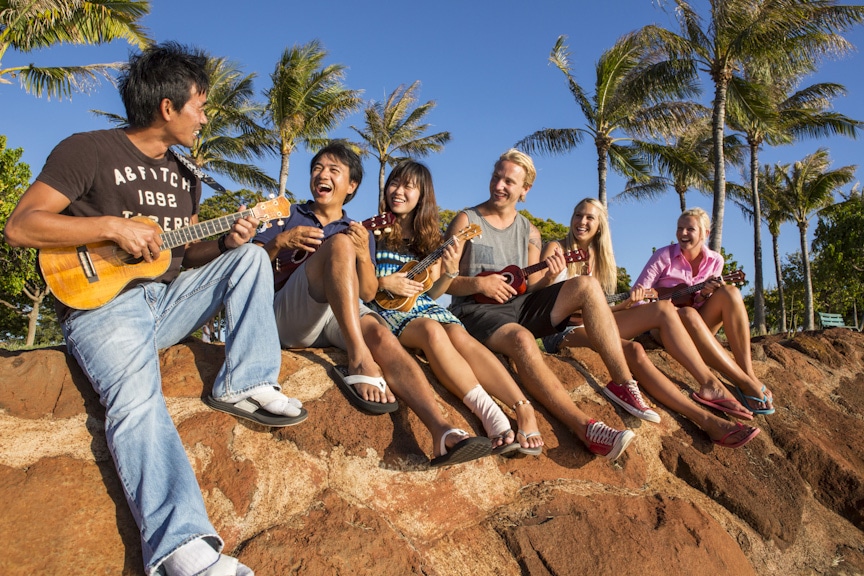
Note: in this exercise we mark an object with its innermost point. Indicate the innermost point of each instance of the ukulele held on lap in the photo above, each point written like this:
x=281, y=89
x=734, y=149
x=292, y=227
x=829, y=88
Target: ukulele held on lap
x=89, y=276
x=287, y=261
x=683, y=295
x=415, y=270
x=516, y=277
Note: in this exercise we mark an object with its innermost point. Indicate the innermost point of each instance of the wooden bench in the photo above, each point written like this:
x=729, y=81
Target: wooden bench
x=828, y=320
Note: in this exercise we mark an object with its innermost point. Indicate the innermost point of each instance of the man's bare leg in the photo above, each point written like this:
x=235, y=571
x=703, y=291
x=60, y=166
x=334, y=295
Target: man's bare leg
x=332, y=278
x=583, y=293
x=517, y=343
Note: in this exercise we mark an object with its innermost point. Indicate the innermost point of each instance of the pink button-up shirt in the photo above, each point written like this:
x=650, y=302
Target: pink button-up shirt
x=668, y=267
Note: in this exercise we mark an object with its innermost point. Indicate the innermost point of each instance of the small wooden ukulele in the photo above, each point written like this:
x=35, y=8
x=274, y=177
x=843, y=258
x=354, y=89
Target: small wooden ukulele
x=683, y=295
x=287, y=261
x=418, y=271
x=89, y=276
x=516, y=277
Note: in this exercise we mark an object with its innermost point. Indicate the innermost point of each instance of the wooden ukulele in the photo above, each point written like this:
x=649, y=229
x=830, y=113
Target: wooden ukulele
x=516, y=277
x=418, y=271
x=683, y=295
x=89, y=276
x=287, y=261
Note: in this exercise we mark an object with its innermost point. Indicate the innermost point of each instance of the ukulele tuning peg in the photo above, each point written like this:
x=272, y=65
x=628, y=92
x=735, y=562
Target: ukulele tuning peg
x=388, y=229
x=271, y=196
x=280, y=222
x=377, y=232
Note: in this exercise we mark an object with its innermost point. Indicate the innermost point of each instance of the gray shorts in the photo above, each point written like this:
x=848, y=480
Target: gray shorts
x=303, y=322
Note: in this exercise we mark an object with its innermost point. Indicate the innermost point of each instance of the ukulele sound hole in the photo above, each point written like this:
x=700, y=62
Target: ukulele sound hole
x=127, y=258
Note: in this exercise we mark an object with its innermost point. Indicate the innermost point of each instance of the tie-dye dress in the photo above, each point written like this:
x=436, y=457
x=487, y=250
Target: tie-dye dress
x=389, y=262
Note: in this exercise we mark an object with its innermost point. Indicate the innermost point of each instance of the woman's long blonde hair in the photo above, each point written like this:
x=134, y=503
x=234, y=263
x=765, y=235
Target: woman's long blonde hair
x=600, y=250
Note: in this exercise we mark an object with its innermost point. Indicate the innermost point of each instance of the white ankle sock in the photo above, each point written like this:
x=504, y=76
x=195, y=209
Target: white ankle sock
x=191, y=558
x=481, y=404
x=277, y=403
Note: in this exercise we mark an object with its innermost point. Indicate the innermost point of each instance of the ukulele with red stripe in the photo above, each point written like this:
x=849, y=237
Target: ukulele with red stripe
x=517, y=277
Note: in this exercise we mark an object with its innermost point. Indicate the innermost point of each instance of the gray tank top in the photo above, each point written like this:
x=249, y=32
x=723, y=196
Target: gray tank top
x=496, y=249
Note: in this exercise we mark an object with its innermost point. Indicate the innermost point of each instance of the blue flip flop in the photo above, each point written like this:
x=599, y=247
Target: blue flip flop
x=745, y=400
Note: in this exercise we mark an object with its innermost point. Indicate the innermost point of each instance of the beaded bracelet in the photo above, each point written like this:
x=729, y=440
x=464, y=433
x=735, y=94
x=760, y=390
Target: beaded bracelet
x=221, y=243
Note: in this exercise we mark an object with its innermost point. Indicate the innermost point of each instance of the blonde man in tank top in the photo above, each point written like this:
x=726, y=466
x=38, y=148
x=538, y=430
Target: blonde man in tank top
x=511, y=325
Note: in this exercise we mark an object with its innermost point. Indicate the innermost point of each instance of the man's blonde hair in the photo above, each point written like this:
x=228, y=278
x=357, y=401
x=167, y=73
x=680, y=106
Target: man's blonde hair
x=520, y=159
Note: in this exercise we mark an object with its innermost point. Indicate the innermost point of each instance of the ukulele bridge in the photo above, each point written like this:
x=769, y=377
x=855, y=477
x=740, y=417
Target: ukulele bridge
x=86, y=264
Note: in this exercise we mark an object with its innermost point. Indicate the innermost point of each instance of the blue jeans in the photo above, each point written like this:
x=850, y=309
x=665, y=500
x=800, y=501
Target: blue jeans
x=117, y=347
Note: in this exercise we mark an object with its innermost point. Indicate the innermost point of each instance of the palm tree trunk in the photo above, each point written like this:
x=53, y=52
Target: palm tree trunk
x=283, y=173
x=382, y=203
x=758, y=290
x=809, y=317
x=775, y=243
x=682, y=200
x=602, y=171
x=718, y=124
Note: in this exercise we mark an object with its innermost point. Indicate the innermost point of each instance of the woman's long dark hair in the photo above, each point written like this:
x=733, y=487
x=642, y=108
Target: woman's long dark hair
x=427, y=229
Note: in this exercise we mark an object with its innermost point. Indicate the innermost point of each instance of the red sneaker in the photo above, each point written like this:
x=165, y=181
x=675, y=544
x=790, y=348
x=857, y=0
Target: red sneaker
x=606, y=441
x=629, y=397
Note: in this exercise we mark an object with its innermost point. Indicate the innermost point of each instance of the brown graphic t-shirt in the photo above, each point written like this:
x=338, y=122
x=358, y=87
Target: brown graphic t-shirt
x=103, y=173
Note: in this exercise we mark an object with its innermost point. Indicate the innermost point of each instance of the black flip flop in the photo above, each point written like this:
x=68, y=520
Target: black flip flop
x=466, y=450
x=340, y=373
x=251, y=410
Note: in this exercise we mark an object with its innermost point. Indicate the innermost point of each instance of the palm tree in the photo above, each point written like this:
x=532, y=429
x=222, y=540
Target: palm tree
x=232, y=131
x=633, y=96
x=306, y=101
x=808, y=188
x=35, y=24
x=784, y=35
x=804, y=113
x=771, y=213
x=393, y=127
x=771, y=177
x=683, y=162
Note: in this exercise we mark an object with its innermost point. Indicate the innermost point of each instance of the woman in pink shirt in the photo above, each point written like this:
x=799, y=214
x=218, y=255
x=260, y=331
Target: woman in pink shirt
x=717, y=304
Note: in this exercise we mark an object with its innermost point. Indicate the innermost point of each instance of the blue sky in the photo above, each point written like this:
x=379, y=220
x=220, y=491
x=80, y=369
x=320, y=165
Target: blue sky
x=484, y=63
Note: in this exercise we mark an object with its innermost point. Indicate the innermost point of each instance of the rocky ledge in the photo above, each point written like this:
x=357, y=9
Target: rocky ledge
x=347, y=493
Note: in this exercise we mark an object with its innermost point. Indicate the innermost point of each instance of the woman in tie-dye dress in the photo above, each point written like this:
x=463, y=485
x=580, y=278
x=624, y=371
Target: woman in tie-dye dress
x=462, y=364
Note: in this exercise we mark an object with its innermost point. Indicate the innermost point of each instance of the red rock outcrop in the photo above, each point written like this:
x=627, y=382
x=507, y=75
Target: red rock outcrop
x=347, y=493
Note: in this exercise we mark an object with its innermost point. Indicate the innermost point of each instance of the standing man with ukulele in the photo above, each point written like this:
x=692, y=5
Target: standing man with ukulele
x=512, y=324
x=92, y=184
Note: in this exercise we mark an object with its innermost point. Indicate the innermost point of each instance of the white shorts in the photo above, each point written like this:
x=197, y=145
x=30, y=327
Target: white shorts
x=303, y=322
